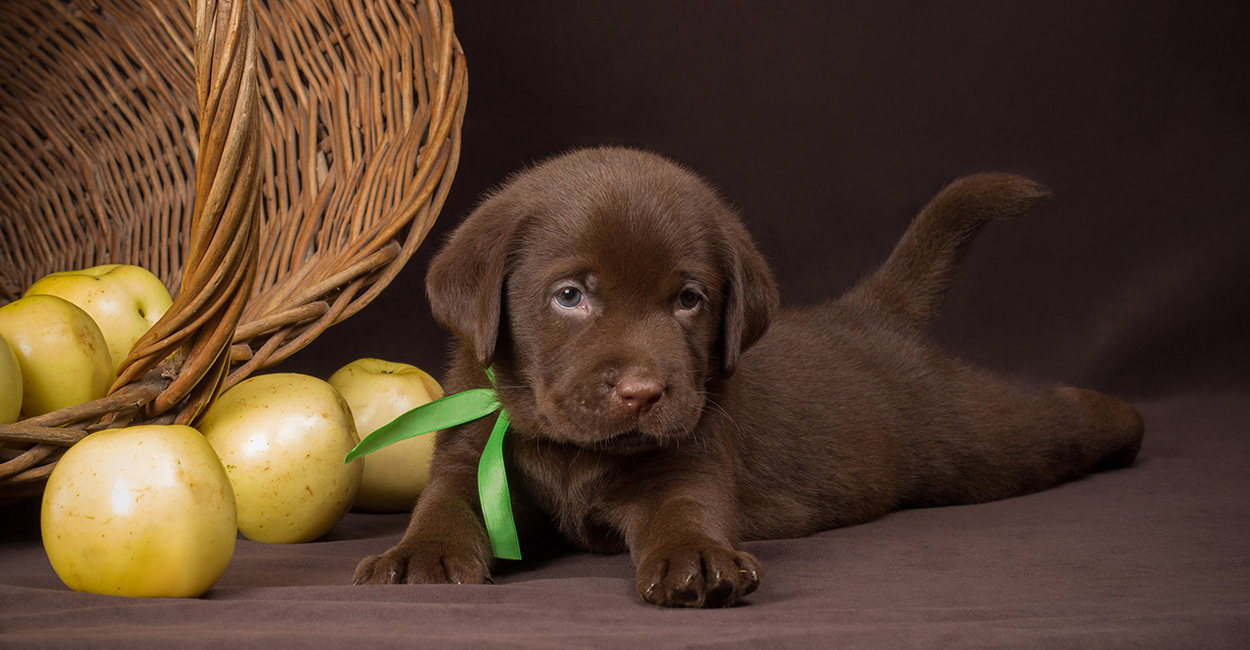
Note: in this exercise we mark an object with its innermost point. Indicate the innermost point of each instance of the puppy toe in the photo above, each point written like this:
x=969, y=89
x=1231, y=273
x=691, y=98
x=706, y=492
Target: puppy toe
x=446, y=564
x=730, y=575
x=382, y=569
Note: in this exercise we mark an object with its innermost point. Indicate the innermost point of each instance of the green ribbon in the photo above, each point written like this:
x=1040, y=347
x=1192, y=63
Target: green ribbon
x=492, y=480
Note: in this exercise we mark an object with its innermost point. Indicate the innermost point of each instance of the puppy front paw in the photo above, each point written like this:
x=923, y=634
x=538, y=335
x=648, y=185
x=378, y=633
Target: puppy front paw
x=711, y=576
x=424, y=563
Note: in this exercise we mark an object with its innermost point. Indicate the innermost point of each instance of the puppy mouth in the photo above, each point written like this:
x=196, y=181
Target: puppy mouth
x=631, y=441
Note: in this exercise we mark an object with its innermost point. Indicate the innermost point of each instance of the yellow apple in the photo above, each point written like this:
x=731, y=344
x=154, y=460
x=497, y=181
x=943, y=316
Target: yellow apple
x=378, y=392
x=140, y=511
x=10, y=384
x=123, y=299
x=61, y=352
x=282, y=439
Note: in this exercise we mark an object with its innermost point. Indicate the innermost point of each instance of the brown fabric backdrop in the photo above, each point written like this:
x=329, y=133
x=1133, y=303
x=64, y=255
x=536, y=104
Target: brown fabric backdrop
x=829, y=125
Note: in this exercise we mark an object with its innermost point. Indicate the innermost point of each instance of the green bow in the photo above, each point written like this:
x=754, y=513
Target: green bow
x=492, y=480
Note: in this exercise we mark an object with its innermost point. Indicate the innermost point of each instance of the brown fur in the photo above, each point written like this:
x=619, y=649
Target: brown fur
x=675, y=412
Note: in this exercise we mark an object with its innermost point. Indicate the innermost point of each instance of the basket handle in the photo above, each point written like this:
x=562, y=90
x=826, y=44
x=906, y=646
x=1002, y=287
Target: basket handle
x=220, y=261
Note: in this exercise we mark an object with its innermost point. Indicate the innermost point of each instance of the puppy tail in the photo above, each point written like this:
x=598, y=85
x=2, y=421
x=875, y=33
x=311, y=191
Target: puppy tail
x=908, y=288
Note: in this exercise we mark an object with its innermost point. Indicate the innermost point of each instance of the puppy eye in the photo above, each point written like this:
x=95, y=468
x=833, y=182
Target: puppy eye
x=569, y=297
x=689, y=299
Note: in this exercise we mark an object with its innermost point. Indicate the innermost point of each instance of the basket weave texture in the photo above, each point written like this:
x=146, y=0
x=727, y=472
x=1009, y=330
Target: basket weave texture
x=275, y=163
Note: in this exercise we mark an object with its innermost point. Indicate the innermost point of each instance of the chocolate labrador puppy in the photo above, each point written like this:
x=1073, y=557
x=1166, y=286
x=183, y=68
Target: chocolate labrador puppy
x=662, y=404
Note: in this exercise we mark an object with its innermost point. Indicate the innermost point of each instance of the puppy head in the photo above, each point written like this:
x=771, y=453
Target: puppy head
x=612, y=284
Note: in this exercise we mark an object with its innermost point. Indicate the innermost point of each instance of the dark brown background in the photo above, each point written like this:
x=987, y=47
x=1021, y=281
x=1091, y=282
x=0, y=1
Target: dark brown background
x=829, y=124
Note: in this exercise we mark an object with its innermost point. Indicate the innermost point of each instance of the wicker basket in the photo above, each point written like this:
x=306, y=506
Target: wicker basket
x=274, y=163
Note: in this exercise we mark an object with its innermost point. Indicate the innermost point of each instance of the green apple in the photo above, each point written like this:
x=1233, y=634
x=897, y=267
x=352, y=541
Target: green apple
x=140, y=511
x=62, y=354
x=10, y=384
x=378, y=392
x=282, y=439
x=123, y=299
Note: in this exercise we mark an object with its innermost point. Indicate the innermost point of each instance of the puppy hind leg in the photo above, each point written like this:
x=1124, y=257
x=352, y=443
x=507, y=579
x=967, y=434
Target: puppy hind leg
x=1070, y=432
x=1019, y=443
x=1111, y=428
x=1075, y=432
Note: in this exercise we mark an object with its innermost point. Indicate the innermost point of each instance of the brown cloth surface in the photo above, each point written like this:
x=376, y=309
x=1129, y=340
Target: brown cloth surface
x=829, y=125
x=1152, y=556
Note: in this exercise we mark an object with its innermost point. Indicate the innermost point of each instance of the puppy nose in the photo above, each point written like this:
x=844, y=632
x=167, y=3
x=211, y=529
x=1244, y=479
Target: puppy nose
x=637, y=395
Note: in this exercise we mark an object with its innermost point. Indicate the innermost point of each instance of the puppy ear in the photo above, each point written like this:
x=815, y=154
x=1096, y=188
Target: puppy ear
x=750, y=298
x=465, y=280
